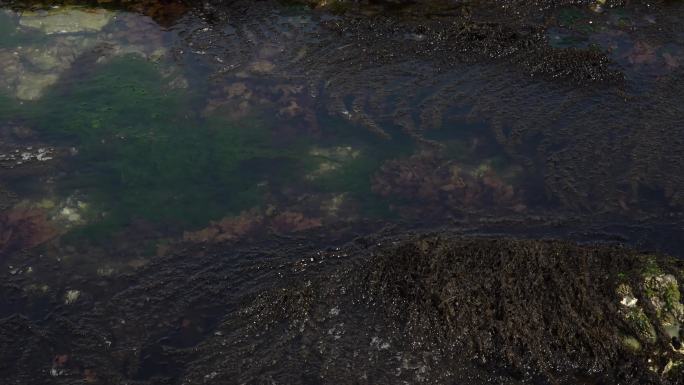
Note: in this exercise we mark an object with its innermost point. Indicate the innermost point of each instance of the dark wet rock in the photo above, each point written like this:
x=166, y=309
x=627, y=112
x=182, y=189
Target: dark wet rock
x=436, y=309
x=14, y=354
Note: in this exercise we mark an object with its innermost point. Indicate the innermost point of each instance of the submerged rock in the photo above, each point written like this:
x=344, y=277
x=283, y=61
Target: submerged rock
x=250, y=222
x=32, y=85
x=67, y=20
x=442, y=183
x=28, y=70
x=440, y=309
x=331, y=159
x=25, y=226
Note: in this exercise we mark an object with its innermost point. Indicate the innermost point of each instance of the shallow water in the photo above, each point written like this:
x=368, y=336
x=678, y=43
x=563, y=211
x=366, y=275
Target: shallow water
x=124, y=134
x=144, y=132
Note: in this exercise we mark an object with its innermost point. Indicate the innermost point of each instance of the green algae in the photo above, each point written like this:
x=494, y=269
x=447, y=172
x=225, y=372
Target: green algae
x=671, y=296
x=143, y=154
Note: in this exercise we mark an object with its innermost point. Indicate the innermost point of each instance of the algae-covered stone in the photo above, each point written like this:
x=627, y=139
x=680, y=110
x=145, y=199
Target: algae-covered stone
x=631, y=343
x=663, y=293
x=664, y=298
x=674, y=369
x=67, y=20
x=634, y=315
x=71, y=211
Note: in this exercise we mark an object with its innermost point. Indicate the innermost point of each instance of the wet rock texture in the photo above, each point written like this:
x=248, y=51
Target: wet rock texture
x=428, y=308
